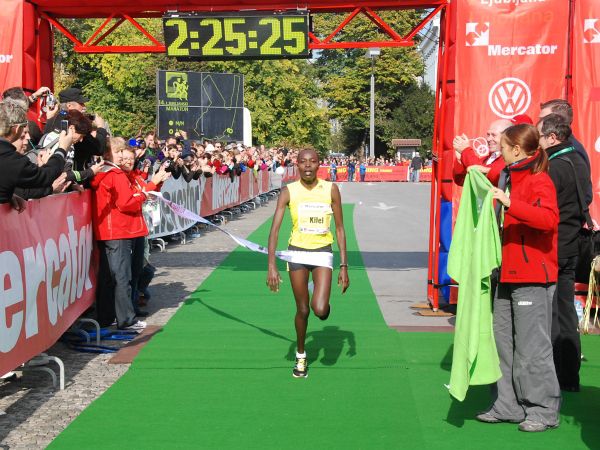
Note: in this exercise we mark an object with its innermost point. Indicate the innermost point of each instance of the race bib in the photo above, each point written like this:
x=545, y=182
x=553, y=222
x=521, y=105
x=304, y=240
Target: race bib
x=314, y=218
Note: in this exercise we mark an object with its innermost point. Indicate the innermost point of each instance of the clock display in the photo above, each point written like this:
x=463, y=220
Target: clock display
x=240, y=36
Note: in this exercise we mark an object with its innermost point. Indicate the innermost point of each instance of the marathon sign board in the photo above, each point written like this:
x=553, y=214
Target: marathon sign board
x=205, y=105
x=511, y=56
x=48, y=274
x=586, y=87
x=11, y=44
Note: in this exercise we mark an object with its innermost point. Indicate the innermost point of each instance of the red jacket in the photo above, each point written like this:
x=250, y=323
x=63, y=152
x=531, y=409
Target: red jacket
x=469, y=158
x=529, y=236
x=116, y=206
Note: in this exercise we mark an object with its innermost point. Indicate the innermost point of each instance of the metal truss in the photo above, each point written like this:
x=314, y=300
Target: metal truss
x=95, y=43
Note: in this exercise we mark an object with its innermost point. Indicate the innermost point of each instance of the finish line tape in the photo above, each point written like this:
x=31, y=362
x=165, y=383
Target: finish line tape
x=319, y=259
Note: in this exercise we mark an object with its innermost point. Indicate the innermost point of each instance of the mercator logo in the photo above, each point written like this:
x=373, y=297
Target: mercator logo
x=5, y=59
x=591, y=31
x=597, y=145
x=509, y=97
x=478, y=34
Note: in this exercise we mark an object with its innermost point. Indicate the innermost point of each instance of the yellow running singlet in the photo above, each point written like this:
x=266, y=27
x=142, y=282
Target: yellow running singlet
x=311, y=215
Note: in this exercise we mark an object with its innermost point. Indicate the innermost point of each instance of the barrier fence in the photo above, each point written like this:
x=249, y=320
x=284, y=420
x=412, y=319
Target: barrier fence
x=48, y=260
x=376, y=173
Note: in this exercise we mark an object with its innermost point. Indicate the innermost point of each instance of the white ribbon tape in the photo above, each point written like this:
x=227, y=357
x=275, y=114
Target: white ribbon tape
x=319, y=259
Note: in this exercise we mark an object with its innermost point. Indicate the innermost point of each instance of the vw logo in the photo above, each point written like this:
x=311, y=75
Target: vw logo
x=509, y=97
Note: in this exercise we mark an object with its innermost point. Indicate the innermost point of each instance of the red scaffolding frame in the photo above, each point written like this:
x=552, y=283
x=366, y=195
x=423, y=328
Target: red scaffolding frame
x=118, y=12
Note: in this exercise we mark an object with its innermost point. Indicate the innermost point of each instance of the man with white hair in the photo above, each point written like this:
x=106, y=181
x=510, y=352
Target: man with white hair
x=16, y=170
x=466, y=156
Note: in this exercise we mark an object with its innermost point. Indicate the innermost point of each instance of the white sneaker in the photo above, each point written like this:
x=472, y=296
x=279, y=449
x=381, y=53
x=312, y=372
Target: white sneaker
x=137, y=326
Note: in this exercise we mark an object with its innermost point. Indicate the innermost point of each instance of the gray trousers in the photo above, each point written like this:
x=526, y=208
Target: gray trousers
x=528, y=388
x=118, y=255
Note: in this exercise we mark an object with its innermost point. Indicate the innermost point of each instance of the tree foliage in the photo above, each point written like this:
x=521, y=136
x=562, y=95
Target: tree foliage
x=345, y=76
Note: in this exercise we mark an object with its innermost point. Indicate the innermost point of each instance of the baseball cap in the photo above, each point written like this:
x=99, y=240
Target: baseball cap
x=521, y=118
x=72, y=95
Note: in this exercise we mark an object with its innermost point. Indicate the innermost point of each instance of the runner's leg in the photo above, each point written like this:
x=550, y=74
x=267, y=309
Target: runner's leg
x=320, y=299
x=299, y=279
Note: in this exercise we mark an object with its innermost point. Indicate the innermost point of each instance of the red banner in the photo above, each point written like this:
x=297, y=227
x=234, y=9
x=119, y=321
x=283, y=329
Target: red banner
x=48, y=279
x=511, y=55
x=11, y=43
x=586, y=87
x=376, y=173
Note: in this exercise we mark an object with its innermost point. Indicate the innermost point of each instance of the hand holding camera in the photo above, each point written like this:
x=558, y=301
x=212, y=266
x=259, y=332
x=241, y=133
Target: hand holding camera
x=65, y=140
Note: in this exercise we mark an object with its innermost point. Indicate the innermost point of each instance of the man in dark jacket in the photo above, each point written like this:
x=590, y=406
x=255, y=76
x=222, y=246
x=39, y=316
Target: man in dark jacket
x=564, y=109
x=17, y=170
x=567, y=170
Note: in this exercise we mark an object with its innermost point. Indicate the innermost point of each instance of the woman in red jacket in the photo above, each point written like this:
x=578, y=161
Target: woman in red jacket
x=528, y=392
x=117, y=221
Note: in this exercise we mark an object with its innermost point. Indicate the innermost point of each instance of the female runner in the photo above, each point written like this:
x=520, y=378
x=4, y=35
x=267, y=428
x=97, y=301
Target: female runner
x=311, y=202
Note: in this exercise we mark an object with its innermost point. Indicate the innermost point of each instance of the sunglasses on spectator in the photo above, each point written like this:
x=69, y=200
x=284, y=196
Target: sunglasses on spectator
x=19, y=124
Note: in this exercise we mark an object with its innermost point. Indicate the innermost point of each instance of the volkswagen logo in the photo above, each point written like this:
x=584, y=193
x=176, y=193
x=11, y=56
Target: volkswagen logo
x=509, y=97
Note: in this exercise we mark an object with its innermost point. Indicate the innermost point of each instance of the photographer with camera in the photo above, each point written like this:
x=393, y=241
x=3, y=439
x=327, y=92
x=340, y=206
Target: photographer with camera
x=93, y=142
x=172, y=162
x=18, y=93
x=17, y=170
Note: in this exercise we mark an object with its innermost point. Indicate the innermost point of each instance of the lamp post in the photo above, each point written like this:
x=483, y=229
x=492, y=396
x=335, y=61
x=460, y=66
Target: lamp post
x=372, y=53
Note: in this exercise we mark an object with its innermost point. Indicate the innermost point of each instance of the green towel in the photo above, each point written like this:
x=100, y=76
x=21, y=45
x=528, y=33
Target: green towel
x=475, y=251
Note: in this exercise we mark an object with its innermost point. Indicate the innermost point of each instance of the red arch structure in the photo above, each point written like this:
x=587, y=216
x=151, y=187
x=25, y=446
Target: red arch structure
x=496, y=58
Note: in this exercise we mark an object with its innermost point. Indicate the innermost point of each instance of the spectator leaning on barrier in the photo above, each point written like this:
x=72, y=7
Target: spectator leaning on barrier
x=117, y=220
x=17, y=170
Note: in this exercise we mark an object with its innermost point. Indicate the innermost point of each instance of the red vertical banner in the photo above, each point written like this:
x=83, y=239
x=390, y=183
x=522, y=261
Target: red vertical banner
x=511, y=56
x=586, y=87
x=11, y=43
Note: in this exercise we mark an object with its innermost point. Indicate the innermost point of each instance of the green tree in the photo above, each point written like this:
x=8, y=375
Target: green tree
x=345, y=75
x=411, y=118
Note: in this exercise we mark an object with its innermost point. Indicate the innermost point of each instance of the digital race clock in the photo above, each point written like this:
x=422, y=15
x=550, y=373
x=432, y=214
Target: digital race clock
x=237, y=36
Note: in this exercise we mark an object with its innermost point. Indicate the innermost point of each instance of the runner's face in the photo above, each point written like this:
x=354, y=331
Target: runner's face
x=308, y=164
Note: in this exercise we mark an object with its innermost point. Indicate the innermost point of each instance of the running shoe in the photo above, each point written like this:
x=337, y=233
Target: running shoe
x=136, y=326
x=300, y=368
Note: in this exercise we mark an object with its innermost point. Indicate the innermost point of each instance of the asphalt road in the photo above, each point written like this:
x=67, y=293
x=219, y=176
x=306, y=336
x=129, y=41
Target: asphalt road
x=392, y=227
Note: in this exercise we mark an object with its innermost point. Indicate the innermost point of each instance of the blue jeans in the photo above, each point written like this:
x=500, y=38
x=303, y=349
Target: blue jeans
x=351, y=175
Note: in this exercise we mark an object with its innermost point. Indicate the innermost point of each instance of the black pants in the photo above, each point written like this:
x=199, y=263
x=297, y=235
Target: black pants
x=566, y=341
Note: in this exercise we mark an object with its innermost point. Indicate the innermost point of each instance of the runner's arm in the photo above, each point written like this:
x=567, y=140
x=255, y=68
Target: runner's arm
x=340, y=233
x=273, y=277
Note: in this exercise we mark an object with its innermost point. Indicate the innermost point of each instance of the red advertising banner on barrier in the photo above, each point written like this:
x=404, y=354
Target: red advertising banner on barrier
x=510, y=56
x=48, y=278
x=586, y=87
x=11, y=43
x=376, y=173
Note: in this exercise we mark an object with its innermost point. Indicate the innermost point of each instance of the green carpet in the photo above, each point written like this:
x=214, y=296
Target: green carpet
x=219, y=377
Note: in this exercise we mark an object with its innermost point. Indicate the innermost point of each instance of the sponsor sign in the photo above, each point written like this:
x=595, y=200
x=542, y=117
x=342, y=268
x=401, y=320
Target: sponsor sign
x=46, y=258
x=11, y=44
x=586, y=88
x=503, y=48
